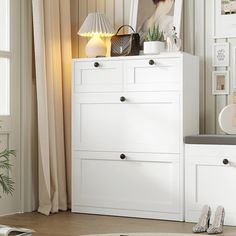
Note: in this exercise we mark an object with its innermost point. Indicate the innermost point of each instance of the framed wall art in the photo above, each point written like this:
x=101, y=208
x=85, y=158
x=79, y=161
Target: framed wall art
x=224, y=18
x=145, y=14
x=220, y=82
x=220, y=54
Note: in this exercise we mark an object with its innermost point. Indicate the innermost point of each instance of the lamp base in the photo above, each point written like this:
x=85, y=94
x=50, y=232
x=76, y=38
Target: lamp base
x=96, y=47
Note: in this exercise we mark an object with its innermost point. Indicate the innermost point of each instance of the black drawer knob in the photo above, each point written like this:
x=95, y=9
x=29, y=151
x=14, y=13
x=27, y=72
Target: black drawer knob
x=151, y=62
x=122, y=99
x=225, y=161
x=96, y=64
x=122, y=156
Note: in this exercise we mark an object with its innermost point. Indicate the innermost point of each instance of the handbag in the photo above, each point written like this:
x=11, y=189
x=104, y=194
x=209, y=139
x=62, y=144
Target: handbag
x=125, y=44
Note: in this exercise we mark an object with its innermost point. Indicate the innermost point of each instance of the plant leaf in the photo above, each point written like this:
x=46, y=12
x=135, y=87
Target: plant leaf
x=7, y=184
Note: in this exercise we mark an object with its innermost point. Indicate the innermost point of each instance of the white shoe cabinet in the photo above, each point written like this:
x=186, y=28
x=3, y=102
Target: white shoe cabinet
x=129, y=117
x=210, y=179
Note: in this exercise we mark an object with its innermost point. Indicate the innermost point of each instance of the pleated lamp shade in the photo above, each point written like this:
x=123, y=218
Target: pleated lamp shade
x=96, y=24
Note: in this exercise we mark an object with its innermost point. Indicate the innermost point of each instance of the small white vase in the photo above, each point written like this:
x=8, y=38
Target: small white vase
x=153, y=47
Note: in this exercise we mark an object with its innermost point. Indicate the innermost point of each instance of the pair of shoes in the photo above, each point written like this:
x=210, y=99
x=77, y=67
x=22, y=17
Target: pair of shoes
x=204, y=221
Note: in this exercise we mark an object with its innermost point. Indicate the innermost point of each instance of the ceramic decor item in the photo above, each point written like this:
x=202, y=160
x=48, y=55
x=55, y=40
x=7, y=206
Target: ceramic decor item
x=227, y=118
x=173, y=42
x=153, y=47
x=154, y=42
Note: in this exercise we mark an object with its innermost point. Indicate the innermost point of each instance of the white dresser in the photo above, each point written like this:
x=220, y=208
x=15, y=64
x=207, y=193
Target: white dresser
x=129, y=117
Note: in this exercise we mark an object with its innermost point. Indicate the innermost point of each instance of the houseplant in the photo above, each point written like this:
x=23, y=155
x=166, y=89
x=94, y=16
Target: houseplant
x=6, y=183
x=154, y=42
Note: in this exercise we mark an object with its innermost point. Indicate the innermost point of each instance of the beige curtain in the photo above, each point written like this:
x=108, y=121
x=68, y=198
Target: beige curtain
x=52, y=40
x=29, y=147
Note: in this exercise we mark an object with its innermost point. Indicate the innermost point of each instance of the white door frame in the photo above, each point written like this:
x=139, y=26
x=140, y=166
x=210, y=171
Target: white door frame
x=10, y=126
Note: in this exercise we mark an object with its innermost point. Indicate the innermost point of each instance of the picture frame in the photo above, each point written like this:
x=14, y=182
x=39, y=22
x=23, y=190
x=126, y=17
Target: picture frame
x=220, y=55
x=224, y=19
x=134, y=13
x=220, y=82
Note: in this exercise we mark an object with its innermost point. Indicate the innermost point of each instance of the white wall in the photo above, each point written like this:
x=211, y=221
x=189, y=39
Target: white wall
x=117, y=11
x=197, y=39
x=200, y=14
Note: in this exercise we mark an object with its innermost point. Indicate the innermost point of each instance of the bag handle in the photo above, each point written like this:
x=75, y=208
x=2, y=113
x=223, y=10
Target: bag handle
x=123, y=27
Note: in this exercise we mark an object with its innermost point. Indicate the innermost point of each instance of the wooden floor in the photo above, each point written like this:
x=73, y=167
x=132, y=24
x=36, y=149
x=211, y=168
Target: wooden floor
x=68, y=224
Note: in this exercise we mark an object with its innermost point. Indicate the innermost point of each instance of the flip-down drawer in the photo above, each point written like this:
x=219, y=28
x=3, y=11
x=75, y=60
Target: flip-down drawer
x=158, y=74
x=98, y=76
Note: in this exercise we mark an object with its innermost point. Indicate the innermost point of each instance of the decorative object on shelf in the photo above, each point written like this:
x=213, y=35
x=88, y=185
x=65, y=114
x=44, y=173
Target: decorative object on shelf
x=6, y=183
x=146, y=14
x=220, y=82
x=220, y=54
x=96, y=25
x=224, y=18
x=154, y=42
x=227, y=117
x=125, y=44
x=173, y=42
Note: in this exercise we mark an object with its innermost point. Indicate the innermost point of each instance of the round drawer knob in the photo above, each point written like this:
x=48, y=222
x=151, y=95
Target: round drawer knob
x=151, y=62
x=225, y=161
x=122, y=99
x=122, y=156
x=96, y=64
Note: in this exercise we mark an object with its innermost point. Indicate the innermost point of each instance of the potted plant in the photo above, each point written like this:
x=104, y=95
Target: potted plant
x=6, y=183
x=154, y=42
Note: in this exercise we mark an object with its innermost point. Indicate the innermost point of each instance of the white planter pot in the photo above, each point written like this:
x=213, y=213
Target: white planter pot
x=153, y=47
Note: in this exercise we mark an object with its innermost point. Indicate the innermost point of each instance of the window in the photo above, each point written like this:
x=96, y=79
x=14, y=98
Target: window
x=5, y=57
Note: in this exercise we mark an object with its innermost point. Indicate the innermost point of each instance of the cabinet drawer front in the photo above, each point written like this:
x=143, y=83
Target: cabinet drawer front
x=215, y=152
x=106, y=77
x=144, y=123
x=164, y=74
x=141, y=185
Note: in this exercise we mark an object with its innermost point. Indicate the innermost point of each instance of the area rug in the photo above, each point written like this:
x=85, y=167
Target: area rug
x=162, y=234
x=144, y=234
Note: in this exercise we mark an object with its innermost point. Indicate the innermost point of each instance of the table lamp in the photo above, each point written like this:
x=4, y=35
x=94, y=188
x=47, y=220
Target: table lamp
x=96, y=25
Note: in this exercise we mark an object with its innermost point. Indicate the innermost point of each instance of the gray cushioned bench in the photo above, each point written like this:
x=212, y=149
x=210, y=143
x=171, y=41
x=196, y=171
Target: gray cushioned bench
x=211, y=139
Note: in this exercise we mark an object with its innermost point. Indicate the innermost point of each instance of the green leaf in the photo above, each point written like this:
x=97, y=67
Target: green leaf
x=154, y=34
x=6, y=183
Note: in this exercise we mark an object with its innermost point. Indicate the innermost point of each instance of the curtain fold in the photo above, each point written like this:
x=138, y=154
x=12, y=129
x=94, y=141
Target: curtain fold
x=52, y=43
x=29, y=147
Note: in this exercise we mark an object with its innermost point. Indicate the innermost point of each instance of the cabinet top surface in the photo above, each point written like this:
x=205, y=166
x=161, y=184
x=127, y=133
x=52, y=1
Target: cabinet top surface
x=139, y=57
x=211, y=139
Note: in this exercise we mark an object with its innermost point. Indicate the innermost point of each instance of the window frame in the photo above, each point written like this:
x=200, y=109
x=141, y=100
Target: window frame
x=7, y=54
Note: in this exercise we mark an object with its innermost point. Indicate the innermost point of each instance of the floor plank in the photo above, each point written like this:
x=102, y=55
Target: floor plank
x=69, y=224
